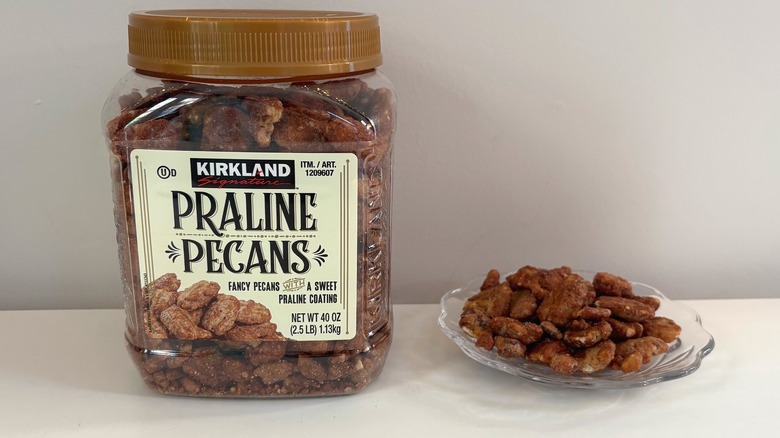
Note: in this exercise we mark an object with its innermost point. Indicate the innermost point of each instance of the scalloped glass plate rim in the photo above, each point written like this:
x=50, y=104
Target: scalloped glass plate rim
x=683, y=358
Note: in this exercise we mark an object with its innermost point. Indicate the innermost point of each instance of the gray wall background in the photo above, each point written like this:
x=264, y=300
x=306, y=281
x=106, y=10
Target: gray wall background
x=640, y=138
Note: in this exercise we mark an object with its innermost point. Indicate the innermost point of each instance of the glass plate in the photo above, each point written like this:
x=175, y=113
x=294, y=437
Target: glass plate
x=684, y=355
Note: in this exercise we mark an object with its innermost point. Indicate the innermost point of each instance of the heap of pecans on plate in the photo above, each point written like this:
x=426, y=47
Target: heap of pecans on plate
x=557, y=318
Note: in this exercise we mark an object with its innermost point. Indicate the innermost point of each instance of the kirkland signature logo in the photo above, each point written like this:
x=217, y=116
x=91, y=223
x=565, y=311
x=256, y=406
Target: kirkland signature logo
x=247, y=174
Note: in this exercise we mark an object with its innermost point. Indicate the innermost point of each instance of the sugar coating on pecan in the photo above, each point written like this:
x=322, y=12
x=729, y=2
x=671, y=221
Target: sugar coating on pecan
x=653, y=302
x=491, y=302
x=593, y=313
x=198, y=295
x=226, y=128
x=661, y=327
x=264, y=112
x=625, y=308
x=273, y=372
x=491, y=280
x=196, y=315
x=154, y=328
x=312, y=368
x=564, y=364
x=561, y=305
x=525, y=332
x=509, y=347
x=237, y=370
x=539, y=281
x=221, y=314
x=631, y=354
x=544, y=351
x=551, y=330
x=266, y=351
x=523, y=305
x=475, y=323
x=251, y=312
x=253, y=333
x=622, y=330
x=167, y=282
x=612, y=285
x=597, y=357
x=179, y=324
x=588, y=336
x=161, y=299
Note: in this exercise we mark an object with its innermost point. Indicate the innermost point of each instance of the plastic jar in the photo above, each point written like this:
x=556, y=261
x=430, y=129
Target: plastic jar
x=251, y=164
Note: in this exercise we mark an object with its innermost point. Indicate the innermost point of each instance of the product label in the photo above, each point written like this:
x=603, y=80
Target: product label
x=279, y=229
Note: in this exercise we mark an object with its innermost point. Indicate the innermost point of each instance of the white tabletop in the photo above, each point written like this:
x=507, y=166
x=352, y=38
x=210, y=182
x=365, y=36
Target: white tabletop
x=66, y=373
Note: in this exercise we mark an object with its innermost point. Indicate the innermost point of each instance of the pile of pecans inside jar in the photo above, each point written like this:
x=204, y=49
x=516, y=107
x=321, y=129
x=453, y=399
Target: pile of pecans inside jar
x=332, y=116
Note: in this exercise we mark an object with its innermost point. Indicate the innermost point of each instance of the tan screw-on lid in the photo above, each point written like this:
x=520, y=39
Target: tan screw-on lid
x=254, y=43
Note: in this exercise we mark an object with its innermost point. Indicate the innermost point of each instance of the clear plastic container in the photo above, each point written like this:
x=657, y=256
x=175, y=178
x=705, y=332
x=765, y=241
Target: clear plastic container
x=251, y=158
